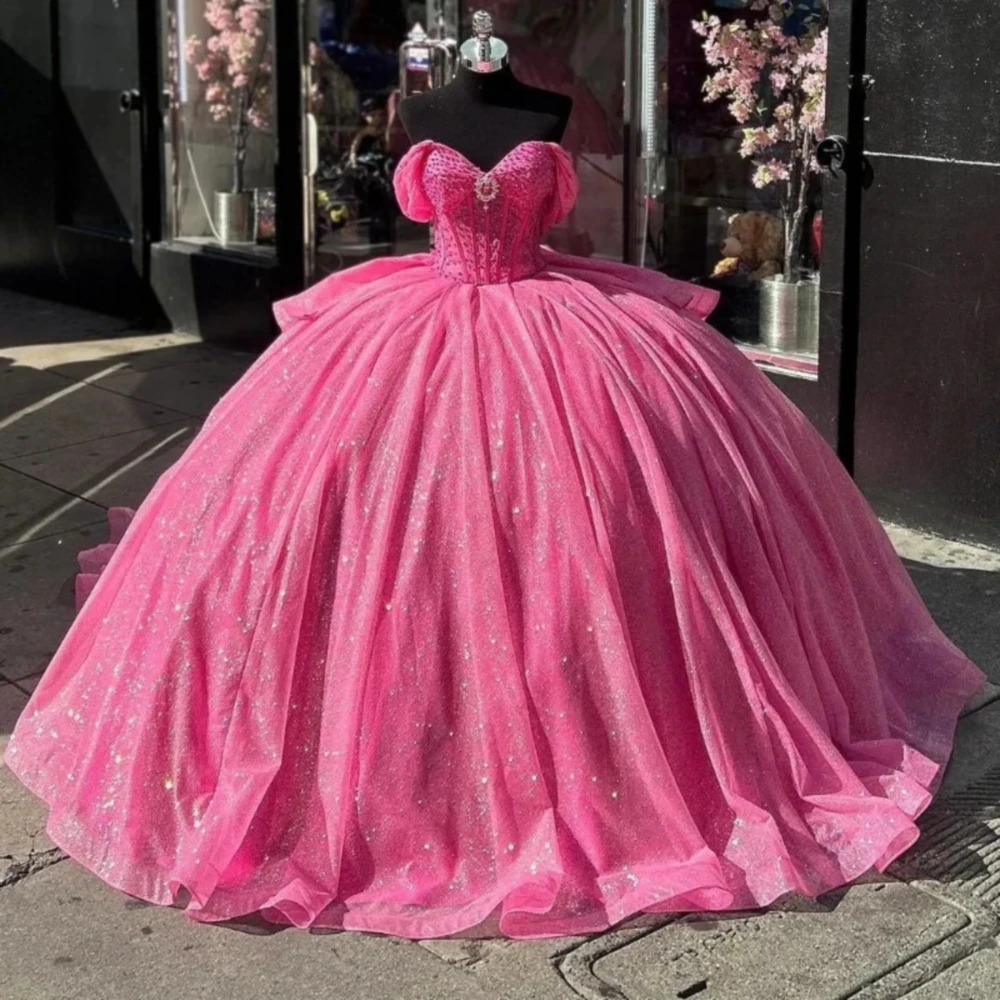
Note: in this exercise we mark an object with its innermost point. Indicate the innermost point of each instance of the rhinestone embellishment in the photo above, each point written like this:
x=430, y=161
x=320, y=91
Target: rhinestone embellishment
x=487, y=188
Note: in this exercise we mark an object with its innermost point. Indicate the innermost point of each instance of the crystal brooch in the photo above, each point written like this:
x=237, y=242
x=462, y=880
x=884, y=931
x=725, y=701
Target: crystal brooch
x=487, y=188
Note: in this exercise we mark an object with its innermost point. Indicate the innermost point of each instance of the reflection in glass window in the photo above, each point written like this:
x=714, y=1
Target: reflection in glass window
x=353, y=91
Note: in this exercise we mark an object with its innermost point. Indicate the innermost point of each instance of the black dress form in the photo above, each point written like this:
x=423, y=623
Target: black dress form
x=485, y=115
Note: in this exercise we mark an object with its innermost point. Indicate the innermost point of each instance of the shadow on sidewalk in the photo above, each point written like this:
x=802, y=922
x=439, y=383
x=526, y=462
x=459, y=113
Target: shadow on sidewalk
x=91, y=414
x=965, y=603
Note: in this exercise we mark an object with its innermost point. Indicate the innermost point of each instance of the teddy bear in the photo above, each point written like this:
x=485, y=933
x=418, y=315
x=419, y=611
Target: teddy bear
x=754, y=246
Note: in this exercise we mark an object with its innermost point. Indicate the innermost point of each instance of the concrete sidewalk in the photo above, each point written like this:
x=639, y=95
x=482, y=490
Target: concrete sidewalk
x=90, y=414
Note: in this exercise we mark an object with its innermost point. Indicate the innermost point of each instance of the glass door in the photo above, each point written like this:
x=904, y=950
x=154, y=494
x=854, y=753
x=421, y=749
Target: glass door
x=729, y=101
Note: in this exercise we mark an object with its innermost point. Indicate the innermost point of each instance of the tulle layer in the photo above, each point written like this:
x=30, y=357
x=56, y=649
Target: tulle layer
x=92, y=562
x=534, y=603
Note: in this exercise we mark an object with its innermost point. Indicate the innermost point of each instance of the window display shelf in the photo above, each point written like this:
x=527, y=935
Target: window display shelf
x=798, y=364
x=209, y=244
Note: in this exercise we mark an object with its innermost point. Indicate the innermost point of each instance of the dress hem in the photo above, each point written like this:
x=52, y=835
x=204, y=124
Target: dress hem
x=682, y=897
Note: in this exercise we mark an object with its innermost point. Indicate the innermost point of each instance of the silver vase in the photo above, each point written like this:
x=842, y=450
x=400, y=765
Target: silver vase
x=808, y=325
x=789, y=314
x=234, y=217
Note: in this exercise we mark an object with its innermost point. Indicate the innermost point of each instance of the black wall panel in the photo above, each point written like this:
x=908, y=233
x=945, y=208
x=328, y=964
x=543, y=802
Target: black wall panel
x=927, y=428
x=27, y=190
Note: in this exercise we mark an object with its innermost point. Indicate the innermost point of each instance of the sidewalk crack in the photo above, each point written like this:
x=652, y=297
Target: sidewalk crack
x=22, y=868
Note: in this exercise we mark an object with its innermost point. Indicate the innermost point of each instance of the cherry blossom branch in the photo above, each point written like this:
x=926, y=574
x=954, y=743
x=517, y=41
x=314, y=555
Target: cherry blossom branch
x=234, y=64
x=776, y=79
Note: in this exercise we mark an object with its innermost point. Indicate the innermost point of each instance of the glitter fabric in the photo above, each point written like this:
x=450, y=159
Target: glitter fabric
x=501, y=586
x=479, y=237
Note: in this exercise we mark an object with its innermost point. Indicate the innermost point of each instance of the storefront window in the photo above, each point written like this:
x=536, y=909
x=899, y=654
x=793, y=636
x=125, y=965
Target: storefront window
x=219, y=76
x=355, y=86
x=732, y=193
x=728, y=101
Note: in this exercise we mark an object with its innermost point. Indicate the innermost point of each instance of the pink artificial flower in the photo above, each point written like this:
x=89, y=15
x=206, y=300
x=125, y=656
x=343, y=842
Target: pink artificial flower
x=769, y=172
x=219, y=14
x=814, y=84
x=249, y=18
x=812, y=119
x=754, y=140
x=234, y=53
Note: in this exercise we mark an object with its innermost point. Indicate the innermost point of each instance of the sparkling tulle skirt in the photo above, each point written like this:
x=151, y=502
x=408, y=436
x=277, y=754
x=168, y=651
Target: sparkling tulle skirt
x=535, y=603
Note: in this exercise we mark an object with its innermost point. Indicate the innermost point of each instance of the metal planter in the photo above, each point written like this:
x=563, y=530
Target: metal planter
x=234, y=217
x=789, y=314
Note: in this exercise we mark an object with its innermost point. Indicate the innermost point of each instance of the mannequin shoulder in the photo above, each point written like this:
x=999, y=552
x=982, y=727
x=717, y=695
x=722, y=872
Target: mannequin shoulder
x=549, y=103
x=418, y=112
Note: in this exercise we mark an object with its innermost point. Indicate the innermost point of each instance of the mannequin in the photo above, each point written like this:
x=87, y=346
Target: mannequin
x=485, y=113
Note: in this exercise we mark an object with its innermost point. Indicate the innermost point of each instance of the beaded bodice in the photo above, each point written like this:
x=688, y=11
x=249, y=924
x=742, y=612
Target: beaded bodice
x=487, y=224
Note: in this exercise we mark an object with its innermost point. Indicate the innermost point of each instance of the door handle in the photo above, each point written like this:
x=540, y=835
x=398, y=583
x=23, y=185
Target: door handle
x=831, y=153
x=129, y=100
x=312, y=145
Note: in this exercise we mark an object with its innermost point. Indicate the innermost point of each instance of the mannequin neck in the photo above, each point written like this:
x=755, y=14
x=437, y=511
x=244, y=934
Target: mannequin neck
x=485, y=115
x=485, y=87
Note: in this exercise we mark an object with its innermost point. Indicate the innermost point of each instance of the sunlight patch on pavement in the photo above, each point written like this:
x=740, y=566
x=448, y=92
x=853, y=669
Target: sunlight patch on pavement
x=75, y=352
x=946, y=553
x=48, y=400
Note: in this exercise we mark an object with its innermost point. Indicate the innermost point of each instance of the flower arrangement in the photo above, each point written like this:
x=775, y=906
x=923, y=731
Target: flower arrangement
x=773, y=76
x=234, y=63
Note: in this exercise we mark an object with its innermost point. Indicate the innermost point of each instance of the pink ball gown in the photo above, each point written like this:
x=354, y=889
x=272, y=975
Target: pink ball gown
x=501, y=588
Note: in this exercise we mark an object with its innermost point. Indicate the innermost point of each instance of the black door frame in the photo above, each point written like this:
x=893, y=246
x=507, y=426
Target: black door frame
x=148, y=176
x=829, y=401
x=141, y=105
x=289, y=80
x=847, y=99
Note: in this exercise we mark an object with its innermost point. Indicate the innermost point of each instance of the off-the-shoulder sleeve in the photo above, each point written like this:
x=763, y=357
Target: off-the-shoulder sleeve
x=408, y=180
x=565, y=188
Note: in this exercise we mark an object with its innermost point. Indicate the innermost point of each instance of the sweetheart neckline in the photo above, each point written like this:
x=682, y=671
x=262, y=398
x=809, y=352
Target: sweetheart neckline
x=503, y=159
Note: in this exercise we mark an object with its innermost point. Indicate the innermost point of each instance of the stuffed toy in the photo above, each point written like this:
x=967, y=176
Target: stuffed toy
x=753, y=247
